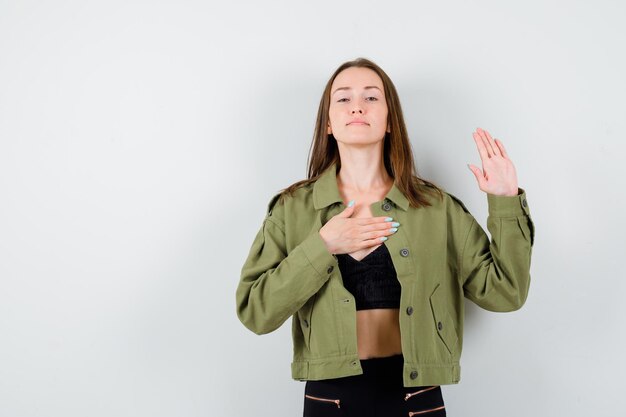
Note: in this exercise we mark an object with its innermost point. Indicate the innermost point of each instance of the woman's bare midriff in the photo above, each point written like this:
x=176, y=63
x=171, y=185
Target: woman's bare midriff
x=378, y=333
x=378, y=329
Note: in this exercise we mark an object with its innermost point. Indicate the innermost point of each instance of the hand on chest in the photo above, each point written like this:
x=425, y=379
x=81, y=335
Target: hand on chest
x=363, y=211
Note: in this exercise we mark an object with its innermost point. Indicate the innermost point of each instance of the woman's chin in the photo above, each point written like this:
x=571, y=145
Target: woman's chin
x=360, y=141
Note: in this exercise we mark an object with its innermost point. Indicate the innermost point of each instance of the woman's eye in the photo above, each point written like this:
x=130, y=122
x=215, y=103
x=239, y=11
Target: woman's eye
x=344, y=99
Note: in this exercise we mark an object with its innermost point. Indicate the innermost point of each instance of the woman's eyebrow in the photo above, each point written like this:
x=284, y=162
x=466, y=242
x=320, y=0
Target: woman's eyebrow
x=350, y=88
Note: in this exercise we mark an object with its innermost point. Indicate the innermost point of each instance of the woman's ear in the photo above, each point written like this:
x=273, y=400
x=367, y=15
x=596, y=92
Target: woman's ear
x=329, y=129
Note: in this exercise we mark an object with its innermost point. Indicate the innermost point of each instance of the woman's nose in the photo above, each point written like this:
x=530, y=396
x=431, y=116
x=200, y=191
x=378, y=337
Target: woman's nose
x=357, y=110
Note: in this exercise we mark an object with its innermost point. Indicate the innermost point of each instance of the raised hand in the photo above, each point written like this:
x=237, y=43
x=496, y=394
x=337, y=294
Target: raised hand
x=498, y=175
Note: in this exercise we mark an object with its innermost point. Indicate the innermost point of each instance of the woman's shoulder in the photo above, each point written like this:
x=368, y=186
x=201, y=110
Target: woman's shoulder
x=295, y=195
x=443, y=200
x=456, y=201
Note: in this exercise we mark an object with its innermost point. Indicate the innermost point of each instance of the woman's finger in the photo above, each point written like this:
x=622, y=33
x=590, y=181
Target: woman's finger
x=482, y=150
x=485, y=144
x=493, y=143
x=501, y=146
x=480, y=179
x=492, y=148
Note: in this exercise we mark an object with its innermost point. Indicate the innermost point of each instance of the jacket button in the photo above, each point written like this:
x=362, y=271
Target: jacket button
x=409, y=310
x=524, y=202
x=306, y=323
x=413, y=374
x=330, y=269
x=386, y=206
x=404, y=252
x=439, y=326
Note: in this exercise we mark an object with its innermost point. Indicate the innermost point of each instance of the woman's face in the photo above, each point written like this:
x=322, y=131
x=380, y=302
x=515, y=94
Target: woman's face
x=358, y=107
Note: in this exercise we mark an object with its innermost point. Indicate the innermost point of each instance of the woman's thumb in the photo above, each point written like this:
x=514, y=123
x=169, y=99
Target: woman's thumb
x=347, y=212
x=478, y=174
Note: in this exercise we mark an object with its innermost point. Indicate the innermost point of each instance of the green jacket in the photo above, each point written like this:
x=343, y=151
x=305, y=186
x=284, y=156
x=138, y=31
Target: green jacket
x=440, y=253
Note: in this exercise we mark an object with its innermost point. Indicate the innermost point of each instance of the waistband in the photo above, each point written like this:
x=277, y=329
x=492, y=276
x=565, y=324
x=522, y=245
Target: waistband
x=377, y=372
x=392, y=358
x=385, y=367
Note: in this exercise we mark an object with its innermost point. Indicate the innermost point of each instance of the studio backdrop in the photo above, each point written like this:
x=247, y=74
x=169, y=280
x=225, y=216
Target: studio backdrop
x=140, y=143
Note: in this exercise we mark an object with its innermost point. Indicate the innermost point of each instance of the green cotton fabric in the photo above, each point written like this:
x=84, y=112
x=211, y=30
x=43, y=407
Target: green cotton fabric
x=440, y=253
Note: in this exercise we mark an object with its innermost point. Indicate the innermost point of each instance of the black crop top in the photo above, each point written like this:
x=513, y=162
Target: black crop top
x=372, y=280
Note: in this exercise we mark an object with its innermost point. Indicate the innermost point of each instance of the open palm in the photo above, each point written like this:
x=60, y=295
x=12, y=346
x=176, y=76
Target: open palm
x=498, y=175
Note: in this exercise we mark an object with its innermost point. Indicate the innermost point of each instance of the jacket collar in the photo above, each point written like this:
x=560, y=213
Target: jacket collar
x=326, y=192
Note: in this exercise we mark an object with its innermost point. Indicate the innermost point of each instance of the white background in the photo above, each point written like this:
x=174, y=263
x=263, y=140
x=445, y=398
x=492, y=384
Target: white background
x=140, y=143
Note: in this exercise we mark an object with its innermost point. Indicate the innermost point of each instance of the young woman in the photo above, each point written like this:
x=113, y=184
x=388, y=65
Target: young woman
x=373, y=263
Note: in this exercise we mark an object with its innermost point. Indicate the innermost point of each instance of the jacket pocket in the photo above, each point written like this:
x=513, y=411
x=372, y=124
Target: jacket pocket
x=304, y=318
x=444, y=325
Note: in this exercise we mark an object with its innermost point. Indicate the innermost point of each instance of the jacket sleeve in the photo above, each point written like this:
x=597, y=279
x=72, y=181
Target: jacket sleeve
x=274, y=283
x=496, y=275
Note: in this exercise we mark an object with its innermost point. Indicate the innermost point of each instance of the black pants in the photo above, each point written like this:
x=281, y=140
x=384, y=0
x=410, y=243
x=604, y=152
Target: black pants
x=378, y=392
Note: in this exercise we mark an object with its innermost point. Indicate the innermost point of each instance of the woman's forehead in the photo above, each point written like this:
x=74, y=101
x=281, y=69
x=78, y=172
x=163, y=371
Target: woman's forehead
x=357, y=77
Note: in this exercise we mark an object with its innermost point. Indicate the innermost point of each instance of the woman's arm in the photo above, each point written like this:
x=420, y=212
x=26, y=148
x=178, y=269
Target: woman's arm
x=275, y=284
x=496, y=275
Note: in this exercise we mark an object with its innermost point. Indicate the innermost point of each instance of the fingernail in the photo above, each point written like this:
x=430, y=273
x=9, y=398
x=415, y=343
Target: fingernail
x=383, y=238
x=351, y=203
x=393, y=229
x=395, y=224
x=388, y=219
